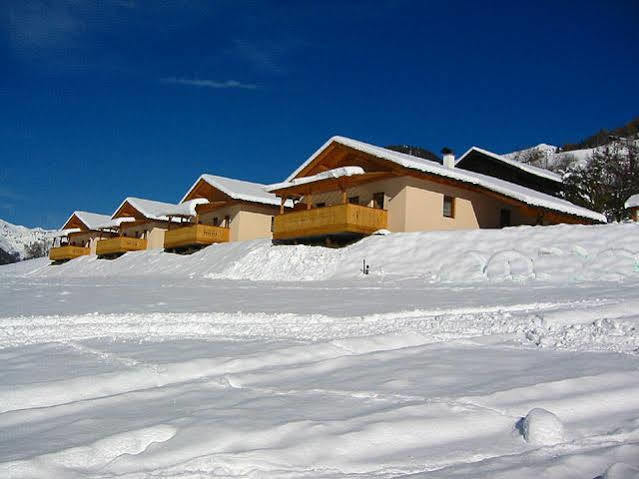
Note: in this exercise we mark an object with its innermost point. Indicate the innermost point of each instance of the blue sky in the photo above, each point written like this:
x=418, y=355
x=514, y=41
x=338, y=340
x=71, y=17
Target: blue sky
x=102, y=100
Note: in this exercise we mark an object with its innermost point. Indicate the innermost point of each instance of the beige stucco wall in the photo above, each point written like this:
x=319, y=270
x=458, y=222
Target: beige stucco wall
x=415, y=204
x=152, y=231
x=247, y=221
x=90, y=239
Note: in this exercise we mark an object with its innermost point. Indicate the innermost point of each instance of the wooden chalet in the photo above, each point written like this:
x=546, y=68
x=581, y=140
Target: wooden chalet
x=217, y=210
x=348, y=189
x=137, y=224
x=78, y=236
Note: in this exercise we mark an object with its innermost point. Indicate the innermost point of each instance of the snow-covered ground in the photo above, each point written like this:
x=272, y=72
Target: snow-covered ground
x=510, y=353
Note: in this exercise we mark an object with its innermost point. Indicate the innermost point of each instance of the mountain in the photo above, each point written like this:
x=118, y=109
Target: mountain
x=15, y=239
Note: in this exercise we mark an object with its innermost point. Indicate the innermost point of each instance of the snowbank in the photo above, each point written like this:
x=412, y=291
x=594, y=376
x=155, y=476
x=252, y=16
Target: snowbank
x=542, y=428
x=552, y=253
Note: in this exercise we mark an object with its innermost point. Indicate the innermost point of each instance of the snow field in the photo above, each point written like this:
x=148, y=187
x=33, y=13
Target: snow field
x=471, y=354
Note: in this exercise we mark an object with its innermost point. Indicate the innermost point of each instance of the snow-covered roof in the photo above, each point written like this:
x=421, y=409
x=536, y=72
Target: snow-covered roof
x=150, y=209
x=90, y=220
x=114, y=223
x=325, y=175
x=533, y=170
x=238, y=189
x=188, y=208
x=66, y=232
x=632, y=202
x=511, y=190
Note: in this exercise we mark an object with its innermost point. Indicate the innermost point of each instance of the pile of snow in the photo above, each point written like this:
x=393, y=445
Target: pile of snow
x=541, y=253
x=14, y=239
x=542, y=428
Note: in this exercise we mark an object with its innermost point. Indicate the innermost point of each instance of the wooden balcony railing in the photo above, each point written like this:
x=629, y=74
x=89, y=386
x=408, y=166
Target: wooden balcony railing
x=195, y=235
x=339, y=219
x=119, y=245
x=63, y=253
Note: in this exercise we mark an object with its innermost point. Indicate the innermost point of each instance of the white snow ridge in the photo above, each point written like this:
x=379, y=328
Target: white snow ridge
x=487, y=354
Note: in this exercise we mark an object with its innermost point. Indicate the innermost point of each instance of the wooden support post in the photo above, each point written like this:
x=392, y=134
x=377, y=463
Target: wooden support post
x=344, y=198
x=309, y=201
x=283, y=200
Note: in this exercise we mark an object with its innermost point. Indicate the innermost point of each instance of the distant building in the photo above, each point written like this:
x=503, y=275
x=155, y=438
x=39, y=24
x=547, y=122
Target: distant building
x=498, y=166
x=632, y=204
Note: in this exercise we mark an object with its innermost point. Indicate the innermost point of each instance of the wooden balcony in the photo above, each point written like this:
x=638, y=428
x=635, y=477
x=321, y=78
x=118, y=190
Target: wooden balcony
x=64, y=253
x=119, y=245
x=344, y=219
x=195, y=235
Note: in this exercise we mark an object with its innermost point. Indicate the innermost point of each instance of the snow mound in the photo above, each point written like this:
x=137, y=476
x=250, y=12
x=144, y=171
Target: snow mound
x=562, y=253
x=620, y=470
x=510, y=264
x=542, y=428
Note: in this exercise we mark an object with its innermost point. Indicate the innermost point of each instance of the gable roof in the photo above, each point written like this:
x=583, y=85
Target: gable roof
x=496, y=185
x=151, y=209
x=237, y=189
x=88, y=219
x=533, y=170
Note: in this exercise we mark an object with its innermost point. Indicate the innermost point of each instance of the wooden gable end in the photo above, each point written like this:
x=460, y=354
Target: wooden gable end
x=204, y=189
x=337, y=155
x=127, y=210
x=75, y=222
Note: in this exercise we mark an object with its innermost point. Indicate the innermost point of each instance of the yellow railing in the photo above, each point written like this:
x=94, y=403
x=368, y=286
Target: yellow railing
x=63, y=253
x=195, y=235
x=345, y=218
x=118, y=245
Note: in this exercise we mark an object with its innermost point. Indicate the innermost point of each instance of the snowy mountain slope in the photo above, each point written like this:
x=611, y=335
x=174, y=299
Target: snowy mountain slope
x=549, y=156
x=548, y=253
x=14, y=239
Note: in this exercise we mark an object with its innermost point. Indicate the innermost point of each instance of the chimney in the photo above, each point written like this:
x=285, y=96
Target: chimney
x=449, y=157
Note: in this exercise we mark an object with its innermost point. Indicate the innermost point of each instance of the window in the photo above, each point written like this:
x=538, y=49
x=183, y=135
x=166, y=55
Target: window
x=504, y=217
x=378, y=200
x=449, y=207
x=354, y=200
x=216, y=221
x=227, y=221
x=320, y=205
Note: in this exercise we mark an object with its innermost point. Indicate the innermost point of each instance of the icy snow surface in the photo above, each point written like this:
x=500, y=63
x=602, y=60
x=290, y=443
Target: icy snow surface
x=247, y=360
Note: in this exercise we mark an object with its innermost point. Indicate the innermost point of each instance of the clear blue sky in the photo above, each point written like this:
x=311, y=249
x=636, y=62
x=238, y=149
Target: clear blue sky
x=102, y=100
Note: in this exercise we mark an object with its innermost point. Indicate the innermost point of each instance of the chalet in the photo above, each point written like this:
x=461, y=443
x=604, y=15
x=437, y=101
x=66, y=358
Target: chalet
x=78, y=236
x=216, y=210
x=348, y=189
x=498, y=166
x=632, y=204
x=137, y=224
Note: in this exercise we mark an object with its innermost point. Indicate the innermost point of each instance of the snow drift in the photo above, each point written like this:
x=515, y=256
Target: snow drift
x=525, y=253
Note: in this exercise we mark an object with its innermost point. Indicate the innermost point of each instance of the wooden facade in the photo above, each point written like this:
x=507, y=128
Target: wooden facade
x=67, y=252
x=343, y=219
x=119, y=245
x=195, y=235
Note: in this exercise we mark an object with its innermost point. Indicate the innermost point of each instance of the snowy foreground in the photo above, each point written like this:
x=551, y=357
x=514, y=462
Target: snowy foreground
x=475, y=354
